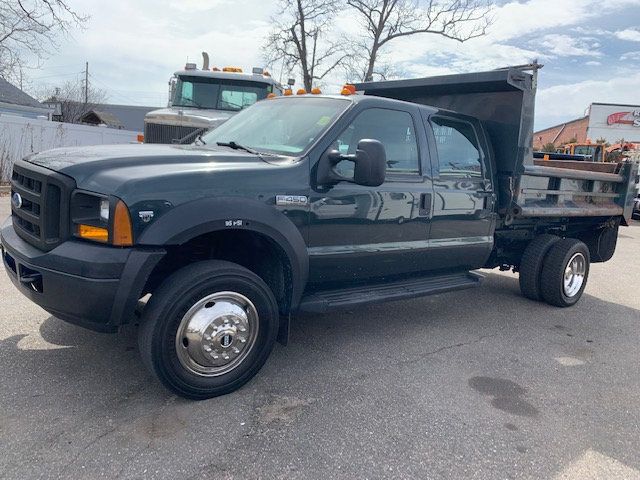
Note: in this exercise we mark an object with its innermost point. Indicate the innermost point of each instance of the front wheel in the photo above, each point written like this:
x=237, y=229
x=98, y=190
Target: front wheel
x=208, y=329
x=565, y=272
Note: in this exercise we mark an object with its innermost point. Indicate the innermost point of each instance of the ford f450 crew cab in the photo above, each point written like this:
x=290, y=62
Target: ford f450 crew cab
x=306, y=204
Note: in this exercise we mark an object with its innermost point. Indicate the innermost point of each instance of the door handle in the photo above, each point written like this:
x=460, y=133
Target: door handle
x=425, y=204
x=489, y=199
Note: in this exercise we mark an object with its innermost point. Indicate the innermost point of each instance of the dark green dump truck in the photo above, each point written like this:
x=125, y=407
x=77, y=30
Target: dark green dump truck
x=307, y=204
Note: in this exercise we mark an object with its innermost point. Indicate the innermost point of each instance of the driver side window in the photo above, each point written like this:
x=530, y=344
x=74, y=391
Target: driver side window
x=393, y=128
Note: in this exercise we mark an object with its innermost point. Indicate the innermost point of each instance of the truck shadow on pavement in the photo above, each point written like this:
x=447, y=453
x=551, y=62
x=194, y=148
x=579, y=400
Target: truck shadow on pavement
x=488, y=350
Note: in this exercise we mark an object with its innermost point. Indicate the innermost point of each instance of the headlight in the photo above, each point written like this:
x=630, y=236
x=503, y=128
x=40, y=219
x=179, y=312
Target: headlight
x=101, y=219
x=104, y=210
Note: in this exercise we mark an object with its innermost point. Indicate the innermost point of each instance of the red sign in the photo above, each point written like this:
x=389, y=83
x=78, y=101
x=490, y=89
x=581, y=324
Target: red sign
x=625, y=118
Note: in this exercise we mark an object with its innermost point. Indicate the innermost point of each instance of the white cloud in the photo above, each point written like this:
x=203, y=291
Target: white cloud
x=630, y=34
x=563, y=102
x=564, y=46
x=593, y=63
x=515, y=18
x=630, y=56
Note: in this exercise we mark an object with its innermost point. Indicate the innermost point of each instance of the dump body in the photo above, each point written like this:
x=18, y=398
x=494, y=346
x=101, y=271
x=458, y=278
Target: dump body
x=503, y=101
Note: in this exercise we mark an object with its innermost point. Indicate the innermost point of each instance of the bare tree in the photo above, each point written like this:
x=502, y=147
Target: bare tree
x=386, y=20
x=31, y=28
x=71, y=99
x=300, y=39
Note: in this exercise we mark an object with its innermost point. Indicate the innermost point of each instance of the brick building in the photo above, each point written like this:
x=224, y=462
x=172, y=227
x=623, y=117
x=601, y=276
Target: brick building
x=561, y=134
x=610, y=121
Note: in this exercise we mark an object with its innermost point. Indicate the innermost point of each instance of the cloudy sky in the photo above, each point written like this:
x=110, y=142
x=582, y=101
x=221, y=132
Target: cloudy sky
x=590, y=48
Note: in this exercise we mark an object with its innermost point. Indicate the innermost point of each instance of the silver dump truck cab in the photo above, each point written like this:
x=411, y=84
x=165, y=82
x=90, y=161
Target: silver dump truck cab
x=203, y=99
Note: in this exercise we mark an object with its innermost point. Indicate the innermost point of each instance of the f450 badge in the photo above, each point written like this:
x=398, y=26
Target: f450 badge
x=291, y=200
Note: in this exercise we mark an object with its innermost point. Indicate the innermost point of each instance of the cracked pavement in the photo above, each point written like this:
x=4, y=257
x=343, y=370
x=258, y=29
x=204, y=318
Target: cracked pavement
x=472, y=384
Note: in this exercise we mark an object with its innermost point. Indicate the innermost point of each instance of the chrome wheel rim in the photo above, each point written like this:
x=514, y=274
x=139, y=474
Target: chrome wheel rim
x=217, y=333
x=574, y=275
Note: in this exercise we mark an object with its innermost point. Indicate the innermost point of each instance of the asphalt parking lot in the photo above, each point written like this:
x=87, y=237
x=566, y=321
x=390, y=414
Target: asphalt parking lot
x=474, y=384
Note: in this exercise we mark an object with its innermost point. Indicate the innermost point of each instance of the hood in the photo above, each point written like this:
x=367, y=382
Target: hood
x=108, y=168
x=186, y=116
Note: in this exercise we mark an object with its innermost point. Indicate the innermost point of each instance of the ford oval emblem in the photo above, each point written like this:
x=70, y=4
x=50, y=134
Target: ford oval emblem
x=16, y=199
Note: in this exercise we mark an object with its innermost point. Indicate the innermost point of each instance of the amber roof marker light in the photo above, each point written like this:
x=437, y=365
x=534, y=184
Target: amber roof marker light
x=348, y=89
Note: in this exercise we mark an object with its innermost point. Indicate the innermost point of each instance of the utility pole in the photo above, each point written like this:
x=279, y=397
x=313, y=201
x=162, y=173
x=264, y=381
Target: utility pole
x=86, y=83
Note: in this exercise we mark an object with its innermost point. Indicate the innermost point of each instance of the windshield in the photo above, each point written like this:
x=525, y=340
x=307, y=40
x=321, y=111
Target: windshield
x=286, y=126
x=585, y=150
x=217, y=94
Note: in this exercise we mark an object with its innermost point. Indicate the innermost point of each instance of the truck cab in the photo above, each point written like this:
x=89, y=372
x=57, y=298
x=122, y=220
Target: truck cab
x=203, y=99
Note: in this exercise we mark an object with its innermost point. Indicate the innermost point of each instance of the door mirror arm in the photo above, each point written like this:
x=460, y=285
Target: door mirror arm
x=327, y=174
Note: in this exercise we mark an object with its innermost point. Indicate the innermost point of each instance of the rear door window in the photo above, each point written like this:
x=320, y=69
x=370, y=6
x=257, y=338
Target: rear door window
x=457, y=145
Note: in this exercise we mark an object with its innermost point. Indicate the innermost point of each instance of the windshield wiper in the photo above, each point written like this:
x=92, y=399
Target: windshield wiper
x=237, y=146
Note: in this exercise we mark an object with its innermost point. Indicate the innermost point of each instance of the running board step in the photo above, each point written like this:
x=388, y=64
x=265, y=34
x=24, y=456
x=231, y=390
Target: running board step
x=323, y=301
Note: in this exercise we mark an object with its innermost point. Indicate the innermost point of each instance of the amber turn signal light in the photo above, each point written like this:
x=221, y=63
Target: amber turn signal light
x=122, y=231
x=97, y=234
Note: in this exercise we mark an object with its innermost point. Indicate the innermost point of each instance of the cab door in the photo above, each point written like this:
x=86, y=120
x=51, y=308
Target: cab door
x=359, y=232
x=464, y=199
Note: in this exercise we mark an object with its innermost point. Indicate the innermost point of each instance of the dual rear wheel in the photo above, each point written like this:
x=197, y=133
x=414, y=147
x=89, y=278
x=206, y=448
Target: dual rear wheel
x=555, y=270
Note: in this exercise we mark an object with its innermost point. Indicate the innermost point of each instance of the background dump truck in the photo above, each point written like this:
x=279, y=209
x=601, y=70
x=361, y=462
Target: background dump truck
x=203, y=99
x=307, y=203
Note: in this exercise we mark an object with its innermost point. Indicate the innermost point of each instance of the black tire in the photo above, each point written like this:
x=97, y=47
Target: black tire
x=531, y=265
x=553, y=272
x=168, y=305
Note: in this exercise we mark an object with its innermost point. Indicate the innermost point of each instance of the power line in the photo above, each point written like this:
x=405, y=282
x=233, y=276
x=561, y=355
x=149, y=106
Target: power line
x=53, y=67
x=57, y=75
x=105, y=86
x=122, y=94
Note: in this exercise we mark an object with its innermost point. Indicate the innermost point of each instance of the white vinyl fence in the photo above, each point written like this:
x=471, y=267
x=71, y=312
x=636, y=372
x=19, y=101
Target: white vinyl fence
x=21, y=136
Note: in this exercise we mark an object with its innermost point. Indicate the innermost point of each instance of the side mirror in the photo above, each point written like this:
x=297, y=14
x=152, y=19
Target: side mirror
x=371, y=163
x=369, y=170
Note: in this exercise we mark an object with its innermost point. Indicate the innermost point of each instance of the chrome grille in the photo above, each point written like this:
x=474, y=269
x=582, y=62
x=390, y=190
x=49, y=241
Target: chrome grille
x=41, y=217
x=156, y=133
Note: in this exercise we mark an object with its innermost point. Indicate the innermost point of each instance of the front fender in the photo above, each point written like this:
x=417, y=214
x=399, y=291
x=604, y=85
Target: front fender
x=208, y=215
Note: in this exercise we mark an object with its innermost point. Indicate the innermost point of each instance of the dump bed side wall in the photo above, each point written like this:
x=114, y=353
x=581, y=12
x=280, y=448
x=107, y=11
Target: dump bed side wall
x=557, y=188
